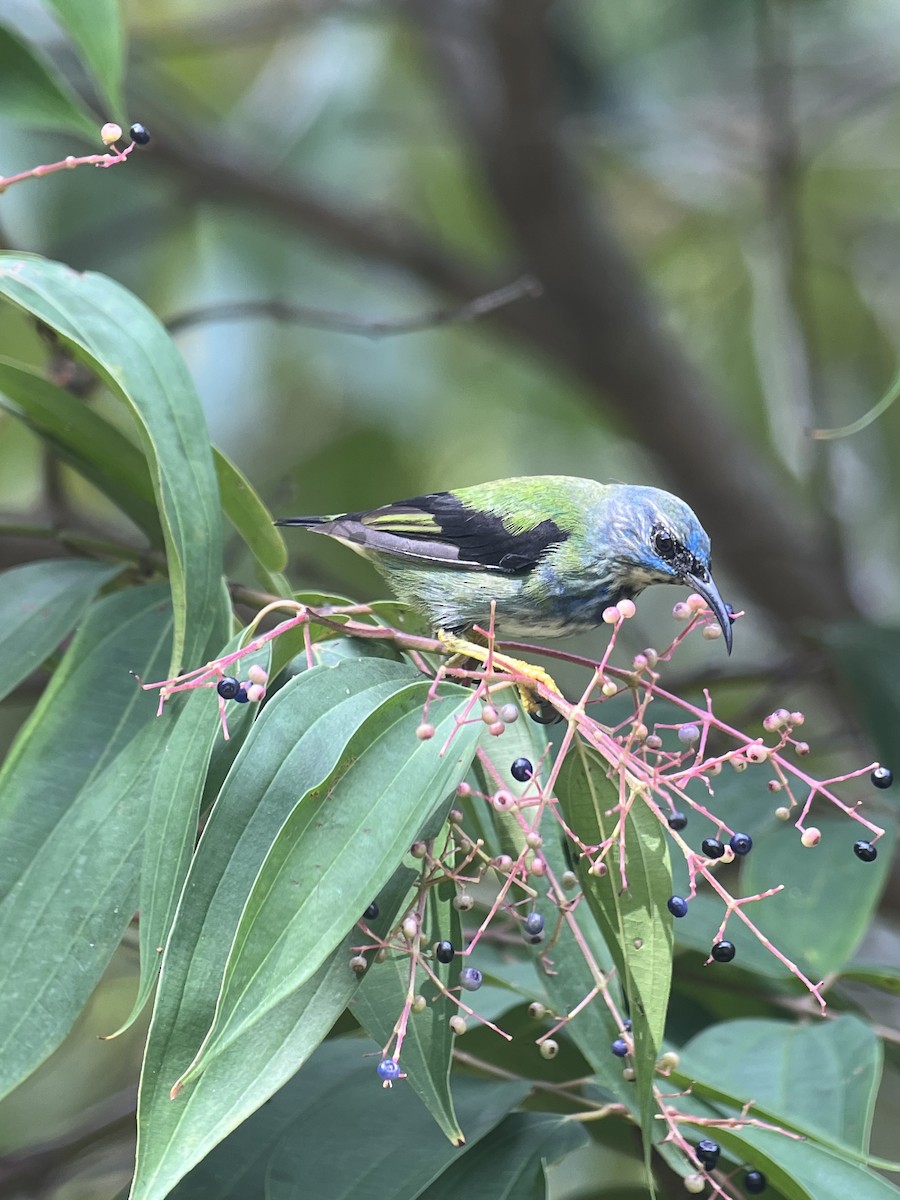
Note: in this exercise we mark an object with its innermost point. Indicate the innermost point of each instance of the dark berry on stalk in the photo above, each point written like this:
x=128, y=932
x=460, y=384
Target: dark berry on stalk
x=865, y=850
x=677, y=906
x=228, y=687
x=626, y=1024
x=444, y=952
x=139, y=134
x=471, y=979
x=619, y=1047
x=242, y=697
x=712, y=847
x=708, y=1152
x=389, y=1069
x=534, y=924
x=371, y=912
x=723, y=951
x=754, y=1182
x=741, y=843
x=882, y=777
x=522, y=770
x=677, y=820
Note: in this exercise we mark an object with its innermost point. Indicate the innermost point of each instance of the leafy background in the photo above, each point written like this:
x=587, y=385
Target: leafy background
x=708, y=196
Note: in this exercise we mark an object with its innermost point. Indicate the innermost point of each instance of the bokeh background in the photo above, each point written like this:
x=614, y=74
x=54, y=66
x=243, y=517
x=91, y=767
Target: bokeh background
x=707, y=197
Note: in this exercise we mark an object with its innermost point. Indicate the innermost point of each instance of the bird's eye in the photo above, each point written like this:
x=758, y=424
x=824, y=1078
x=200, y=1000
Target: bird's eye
x=665, y=545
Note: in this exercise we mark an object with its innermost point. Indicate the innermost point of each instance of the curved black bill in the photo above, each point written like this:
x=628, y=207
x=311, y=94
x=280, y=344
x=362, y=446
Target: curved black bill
x=706, y=587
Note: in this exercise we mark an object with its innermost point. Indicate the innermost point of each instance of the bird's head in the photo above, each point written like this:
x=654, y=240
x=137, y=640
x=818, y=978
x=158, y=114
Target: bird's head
x=656, y=538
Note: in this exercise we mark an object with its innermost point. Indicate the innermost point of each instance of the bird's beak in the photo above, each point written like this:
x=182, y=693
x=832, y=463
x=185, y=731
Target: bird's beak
x=706, y=587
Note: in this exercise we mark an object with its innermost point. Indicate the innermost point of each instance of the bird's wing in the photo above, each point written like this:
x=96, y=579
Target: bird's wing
x=441, y=528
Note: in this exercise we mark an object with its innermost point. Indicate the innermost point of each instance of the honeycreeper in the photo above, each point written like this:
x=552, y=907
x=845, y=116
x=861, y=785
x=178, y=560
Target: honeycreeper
x=551, y=551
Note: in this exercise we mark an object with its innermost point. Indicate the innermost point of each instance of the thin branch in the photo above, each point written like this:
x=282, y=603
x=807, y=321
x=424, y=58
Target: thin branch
x=316, y=318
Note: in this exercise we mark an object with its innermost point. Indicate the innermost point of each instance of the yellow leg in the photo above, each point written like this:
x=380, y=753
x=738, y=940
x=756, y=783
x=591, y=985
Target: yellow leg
x=532, y=702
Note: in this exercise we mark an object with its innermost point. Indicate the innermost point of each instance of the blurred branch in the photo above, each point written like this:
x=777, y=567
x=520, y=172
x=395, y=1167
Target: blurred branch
x=316, y=318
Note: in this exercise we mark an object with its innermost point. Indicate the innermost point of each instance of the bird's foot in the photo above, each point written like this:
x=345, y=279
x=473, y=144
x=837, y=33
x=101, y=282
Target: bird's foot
x=538, y=709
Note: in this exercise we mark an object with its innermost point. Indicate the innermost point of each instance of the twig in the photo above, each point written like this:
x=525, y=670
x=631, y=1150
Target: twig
x=316, y=318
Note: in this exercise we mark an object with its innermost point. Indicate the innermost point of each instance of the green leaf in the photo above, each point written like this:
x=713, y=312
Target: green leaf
x=822, y=1079
x=308, y=722
x=84, y=440
x=865, y=656
x=249, y=516
x=354, y=826
x=302, y=1135
x=33, y=95
x=118, y=337
x=39, y=604
x=635, y=923
x=508, y=1164
x=428, y=1046
x=71, y=820
x=96, y=28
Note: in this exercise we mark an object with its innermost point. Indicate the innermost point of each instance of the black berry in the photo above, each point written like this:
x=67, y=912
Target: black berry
x=388, y=1069
x=677, y=906
x=723, y=951
x=242, y=697
x=708, y=1152
x=444, y=952
x=534, y=924
x=522, y=770
x=741, y=843
x=471, y=979
x=754, y=1182
x=882, y=777
x=677, y=820
x=228, y=687
x=371, y=912
x=866, y=851
x=712, y=847
x=139, y=134
x=619, y=1047
x=626, y=1024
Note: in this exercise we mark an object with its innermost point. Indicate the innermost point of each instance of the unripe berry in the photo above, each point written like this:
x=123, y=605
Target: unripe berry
x=410, y=928
x=463, y=790
x=774, y=785
x=358, y=964
x=694, y=1183
x=533, y=840
x=463, y=902
x=652, y=656
x=489, y=714
x=610, y=615
x=255, y=692
x=458, y=1024
x=569, y=880
x=639, y=732
x=711, y=632
x=810, y=837
x=653, y=742
x=419, y=1003
x=688, y=734
x=509, y=713
x=681, y=611
x=258, y=674
x=783, y=814
x=670, y=1061
x=801, y=749
x=626, y=609
x=418, y=849
x=425, y=731
x=496, y=728
x=503, y=801
x=538, y=867
x=609, y=688
x=502, y=862
x=537, y=1011
x=629, y=1074
x=549, y=1048
x=110, y=133
x=756, y=753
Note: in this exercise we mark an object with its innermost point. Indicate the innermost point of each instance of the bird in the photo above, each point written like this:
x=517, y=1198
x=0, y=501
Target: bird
x=550, y=552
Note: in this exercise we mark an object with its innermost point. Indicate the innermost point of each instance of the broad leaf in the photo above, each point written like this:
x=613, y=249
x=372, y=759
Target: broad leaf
x=96, y=28
x=32, y=94
x=39, y=604
x=298, y=737
x=119, y=338
x=249, y=515
x=71, y=819
x=337, y=849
